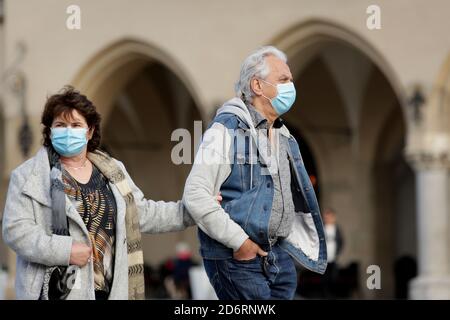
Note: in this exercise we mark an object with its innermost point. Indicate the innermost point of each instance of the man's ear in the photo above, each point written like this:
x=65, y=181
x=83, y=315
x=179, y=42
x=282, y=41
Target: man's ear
x=255, y=85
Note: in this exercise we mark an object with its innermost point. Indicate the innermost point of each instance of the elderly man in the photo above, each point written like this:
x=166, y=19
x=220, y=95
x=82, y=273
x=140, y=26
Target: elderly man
x=269, y=215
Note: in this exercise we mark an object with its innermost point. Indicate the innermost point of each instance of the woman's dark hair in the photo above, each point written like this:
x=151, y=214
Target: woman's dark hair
x=63, y=103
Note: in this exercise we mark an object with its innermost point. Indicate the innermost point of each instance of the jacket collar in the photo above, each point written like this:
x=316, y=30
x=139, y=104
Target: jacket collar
x=283, y=129
x=37, y=185
x=259, y=121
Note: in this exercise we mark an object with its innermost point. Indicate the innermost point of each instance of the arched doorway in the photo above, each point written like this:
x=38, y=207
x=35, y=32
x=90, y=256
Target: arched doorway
x=393, y=206
x=348, y=98
x=143, y=96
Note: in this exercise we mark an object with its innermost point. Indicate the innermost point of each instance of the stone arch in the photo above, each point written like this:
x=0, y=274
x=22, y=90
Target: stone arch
x=438, y=111
x=143, y=94
x=308, y=36
x=126, y=57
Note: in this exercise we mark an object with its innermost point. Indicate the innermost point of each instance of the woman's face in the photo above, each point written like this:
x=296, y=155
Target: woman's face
x=70, y=134
x=74, y=120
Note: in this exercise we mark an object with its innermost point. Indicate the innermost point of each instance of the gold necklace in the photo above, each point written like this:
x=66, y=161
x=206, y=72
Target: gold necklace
x=78, y=168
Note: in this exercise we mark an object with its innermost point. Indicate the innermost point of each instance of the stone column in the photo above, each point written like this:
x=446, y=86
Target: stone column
x=433, y=220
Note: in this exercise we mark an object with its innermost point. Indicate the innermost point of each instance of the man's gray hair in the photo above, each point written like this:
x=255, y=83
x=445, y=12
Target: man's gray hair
x=255, y=66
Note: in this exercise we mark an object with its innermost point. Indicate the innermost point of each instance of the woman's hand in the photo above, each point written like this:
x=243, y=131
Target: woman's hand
x=219, y=197
x=80, y=254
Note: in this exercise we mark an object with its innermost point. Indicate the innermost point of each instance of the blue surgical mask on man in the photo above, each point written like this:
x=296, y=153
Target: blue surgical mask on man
x=69, y=142
x=285, y=97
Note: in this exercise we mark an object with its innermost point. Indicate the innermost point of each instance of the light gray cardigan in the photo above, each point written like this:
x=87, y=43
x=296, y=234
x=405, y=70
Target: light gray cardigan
x=27, y=230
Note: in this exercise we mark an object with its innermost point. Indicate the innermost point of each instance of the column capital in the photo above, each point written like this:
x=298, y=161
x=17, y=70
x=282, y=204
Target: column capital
x=423, y=160
x=428, y=149
x=427, y=158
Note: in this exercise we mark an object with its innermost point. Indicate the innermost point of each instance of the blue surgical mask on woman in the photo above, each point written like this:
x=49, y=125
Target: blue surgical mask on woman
x=69, y=142
x=285, y=97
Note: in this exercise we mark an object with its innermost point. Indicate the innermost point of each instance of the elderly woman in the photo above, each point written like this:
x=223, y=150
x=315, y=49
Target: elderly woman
x=74, y=216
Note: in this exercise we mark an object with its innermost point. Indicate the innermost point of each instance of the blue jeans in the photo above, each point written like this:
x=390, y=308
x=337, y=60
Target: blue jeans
x=271, y=277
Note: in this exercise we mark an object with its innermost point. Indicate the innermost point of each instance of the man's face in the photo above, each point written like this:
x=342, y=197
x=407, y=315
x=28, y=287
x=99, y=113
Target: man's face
x=279, y=73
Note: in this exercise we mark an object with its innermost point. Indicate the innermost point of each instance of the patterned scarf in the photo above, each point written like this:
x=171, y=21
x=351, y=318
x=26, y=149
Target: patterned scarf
x=113, y=173
x=111, y=170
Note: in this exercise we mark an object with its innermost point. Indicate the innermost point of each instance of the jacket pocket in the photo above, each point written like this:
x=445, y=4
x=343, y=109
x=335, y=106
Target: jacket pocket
x=35, y=274
x=253, y=260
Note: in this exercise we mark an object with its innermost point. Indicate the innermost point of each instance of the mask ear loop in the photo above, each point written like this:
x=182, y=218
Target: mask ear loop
x=270, y=100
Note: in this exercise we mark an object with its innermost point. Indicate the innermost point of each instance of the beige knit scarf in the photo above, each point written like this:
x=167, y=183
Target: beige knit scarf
x=114, y=174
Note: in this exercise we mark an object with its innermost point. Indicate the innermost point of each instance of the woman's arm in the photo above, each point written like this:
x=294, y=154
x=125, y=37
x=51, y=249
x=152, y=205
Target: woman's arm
x=24, y=235
x=158, y=216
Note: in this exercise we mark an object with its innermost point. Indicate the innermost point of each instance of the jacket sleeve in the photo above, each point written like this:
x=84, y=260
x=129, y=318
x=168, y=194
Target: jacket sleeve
x=25, y=236
x=212, y=166
x=158, y=216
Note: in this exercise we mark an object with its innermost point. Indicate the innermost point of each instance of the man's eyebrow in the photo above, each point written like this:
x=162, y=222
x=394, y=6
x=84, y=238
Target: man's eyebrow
x=286, y=77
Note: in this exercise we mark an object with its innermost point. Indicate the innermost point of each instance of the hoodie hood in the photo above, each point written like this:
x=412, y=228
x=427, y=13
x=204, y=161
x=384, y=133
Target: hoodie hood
x=237, y=106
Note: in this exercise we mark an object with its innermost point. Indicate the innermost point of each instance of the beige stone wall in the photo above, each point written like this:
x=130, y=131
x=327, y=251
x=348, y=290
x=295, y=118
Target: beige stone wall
x=200, y=43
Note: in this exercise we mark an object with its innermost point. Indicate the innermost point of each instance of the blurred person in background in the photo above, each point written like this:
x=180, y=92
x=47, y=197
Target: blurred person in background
x=178, y=283
x=335, y=243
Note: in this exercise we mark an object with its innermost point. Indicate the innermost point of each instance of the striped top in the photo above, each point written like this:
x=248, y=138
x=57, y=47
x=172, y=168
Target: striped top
x=96, y=205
